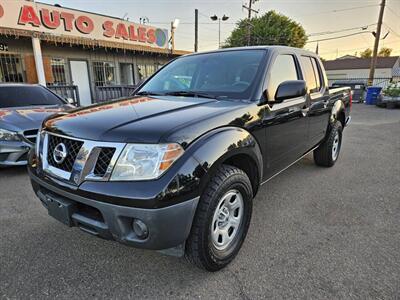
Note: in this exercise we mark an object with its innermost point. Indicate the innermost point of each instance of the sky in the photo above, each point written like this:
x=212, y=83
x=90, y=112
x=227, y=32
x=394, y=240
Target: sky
x=316, y=16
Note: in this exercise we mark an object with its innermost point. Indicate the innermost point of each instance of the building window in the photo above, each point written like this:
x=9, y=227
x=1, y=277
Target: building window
x=146, y=70
x=58, y=67
x=104, y=73
x=10, y=68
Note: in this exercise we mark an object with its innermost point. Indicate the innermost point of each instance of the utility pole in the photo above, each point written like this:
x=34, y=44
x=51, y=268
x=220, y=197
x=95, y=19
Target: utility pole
x=249, y=10
x=376, y=44
x=196, y=30
x=172, y=37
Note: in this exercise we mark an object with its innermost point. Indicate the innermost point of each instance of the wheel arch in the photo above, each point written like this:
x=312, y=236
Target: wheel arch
x=338, y=113
x=229, y=145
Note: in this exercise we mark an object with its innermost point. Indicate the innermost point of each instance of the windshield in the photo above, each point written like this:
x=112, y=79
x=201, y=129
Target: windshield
x=228, y=74
x=18, y=96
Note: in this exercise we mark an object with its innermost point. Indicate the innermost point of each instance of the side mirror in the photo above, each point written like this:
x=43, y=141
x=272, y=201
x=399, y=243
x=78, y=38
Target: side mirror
x=290, y=89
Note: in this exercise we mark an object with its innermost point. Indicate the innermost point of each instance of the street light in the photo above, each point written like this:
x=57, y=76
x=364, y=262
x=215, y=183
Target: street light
x=216, y=18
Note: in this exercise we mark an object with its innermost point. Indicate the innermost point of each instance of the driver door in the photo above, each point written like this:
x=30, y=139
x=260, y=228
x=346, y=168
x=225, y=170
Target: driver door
x=285, y=122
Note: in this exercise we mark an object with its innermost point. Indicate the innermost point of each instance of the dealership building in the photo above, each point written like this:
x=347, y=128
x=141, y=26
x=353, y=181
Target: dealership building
x=81, y=55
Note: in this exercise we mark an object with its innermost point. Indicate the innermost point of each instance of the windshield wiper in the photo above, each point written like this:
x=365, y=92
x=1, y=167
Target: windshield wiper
x=148, y=93
x=191, y=94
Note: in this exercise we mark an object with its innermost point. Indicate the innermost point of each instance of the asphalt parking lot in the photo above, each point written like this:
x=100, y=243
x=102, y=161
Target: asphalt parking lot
x=316, y=233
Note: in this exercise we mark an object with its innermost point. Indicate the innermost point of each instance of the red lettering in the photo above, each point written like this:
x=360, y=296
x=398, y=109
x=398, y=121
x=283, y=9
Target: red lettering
x=50, y=19
x=28, y=16
x=151, y=36
x=84, y=24
x=68, y=20
x=1, y=11
x=121, y=32
x=108, y=29
x=142, y=34
x=132, y=33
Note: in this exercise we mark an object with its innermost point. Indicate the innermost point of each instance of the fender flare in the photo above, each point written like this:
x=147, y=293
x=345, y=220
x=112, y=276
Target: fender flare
x=337, y=109
x=218, y=145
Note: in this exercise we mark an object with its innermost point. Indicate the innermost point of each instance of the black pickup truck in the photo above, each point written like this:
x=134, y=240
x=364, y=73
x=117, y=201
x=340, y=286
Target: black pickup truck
x=176, y=166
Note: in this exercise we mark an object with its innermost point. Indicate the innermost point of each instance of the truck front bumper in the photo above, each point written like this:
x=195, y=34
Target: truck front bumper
x=165, y=227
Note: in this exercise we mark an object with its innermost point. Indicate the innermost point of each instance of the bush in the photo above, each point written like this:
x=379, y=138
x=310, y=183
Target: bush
x=393, y=90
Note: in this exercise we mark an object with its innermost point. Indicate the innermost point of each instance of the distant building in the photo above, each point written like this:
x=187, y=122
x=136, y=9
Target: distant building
x=73, y=50
x=349, y=68
x=347, y=56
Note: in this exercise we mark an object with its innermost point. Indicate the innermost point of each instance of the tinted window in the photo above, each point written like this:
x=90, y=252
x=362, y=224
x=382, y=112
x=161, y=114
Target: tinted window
x=283, y=69
x=317, y=72
x=311, y=72
x=17, y=96
x=231, y=74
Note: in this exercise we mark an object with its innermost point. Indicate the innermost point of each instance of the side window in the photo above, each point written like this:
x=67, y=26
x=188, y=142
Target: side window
x=317, y=72
x=312, y=73
x=283, y=69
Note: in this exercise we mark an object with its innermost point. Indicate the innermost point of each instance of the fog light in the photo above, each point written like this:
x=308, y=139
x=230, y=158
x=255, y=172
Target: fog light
x=140, y=229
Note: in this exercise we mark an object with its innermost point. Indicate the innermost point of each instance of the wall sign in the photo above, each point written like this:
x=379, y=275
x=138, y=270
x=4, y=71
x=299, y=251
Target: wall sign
x=46, y=18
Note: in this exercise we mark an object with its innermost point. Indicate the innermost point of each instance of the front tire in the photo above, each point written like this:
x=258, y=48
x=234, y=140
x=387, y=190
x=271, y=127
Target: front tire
x=328, y=151
x=221, y=221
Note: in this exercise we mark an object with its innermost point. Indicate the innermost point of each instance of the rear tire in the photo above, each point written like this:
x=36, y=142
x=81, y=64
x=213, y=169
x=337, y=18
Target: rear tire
x=328, y=151
x=221, y=221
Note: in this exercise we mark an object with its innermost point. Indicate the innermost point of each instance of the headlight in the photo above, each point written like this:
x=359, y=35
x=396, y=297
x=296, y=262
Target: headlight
x=145, y=161
x=6, y=135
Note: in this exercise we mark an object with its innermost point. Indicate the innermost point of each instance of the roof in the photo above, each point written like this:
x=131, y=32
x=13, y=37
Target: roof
x=262, y=47
x=360, y=63
x=88, y=43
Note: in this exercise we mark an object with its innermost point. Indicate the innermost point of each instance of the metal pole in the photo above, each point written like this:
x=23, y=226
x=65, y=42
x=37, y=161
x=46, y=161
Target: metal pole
x=219, y=33
x=196, y=30
x=376, y=44
x=249, y=25
x=172, y=37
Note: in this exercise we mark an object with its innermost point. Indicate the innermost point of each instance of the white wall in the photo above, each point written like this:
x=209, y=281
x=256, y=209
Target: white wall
x=358, y=73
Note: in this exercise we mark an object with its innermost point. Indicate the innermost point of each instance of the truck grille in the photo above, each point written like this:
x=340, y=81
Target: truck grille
x=30, y=135
x=72, y=147
x=103, y=161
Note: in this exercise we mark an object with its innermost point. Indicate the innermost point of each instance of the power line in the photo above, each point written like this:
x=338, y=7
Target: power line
x=339, y=37
x=337, y=10
x=340, y=30
x=393, y=11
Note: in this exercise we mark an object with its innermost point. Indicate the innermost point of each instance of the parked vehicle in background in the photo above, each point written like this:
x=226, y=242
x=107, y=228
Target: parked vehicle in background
x=176, y=167
x=358, y=88
x=389, y=97
x=23, y=107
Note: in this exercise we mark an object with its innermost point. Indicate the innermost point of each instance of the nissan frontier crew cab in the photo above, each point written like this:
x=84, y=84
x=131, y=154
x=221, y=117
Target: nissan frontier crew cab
x=176, y=166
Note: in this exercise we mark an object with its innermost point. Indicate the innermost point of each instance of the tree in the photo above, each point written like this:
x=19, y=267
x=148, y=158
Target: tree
x=367, y=53
x=385, y=52
x=270, y=29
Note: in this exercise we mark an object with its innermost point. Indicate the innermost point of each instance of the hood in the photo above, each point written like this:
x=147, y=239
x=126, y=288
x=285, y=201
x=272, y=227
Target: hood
x=139, y=119
x=24, y=118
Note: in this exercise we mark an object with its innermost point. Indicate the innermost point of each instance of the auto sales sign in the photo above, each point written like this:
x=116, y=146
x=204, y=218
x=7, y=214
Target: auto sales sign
x=61, y=21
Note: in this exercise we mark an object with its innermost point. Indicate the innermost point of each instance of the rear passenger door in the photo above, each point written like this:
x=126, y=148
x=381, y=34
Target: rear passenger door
x=286, y=122
x=318, y=114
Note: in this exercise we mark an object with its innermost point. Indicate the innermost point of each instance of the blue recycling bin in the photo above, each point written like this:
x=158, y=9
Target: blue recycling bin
x=372, y=95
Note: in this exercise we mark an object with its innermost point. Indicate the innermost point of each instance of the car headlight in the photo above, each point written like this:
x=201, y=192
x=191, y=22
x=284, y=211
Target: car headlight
x=6, y=135
x=145, y=161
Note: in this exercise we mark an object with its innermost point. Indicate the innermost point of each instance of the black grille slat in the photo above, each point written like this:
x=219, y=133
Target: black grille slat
x=103, y=161
x=30, y=135
x=73, y=148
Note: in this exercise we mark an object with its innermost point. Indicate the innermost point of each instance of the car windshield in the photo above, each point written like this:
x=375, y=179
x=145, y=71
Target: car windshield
x=18, y=96
x=229, y=74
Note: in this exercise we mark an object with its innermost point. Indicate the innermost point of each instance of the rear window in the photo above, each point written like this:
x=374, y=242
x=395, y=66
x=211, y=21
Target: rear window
x=18, y=96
